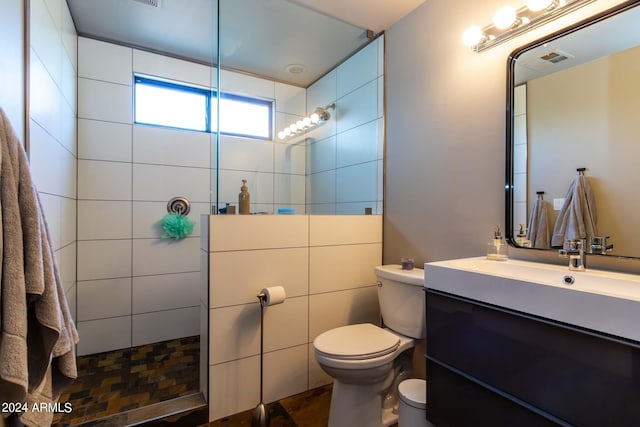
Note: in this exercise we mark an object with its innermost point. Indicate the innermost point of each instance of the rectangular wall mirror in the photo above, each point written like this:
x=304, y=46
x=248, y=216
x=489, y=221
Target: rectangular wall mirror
x=572, y=102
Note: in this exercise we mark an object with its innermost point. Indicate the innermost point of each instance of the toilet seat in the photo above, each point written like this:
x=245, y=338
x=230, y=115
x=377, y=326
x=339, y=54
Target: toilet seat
x=362, y=341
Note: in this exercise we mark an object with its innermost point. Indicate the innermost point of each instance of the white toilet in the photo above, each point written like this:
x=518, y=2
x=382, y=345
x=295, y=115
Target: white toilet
x=368, y=362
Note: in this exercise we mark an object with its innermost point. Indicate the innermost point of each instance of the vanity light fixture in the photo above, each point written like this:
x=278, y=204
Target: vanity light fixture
x=319, y=116
x=508, y=22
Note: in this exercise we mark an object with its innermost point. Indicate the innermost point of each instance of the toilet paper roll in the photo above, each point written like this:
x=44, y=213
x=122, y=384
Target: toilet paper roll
x=274, y=295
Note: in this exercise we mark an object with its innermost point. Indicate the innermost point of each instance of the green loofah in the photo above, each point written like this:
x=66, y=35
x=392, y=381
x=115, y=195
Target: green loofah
x=176, y=226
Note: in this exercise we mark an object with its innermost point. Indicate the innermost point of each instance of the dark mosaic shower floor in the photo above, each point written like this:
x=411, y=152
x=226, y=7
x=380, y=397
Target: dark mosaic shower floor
x=121, y=380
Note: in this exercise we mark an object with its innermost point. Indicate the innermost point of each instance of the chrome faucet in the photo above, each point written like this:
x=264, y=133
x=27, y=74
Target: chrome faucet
x=599, y=245
x=576, y=254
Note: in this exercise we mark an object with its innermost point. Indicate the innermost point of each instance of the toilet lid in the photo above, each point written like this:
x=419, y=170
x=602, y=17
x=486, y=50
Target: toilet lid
x=362, y=341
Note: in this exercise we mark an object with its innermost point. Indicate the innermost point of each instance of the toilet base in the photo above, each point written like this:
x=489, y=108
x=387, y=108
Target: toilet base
x=358, y=404
x=389, y=416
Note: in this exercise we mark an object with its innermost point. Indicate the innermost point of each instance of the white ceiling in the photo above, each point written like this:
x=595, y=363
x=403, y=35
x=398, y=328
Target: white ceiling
x=261, y=37
x=376, y=15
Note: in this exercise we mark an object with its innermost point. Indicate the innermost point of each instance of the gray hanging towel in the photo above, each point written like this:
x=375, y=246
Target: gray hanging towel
x=577, y=218
x=538, y=231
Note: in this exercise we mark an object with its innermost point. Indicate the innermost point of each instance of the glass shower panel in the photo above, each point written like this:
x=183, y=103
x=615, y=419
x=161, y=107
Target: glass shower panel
x=289, y=56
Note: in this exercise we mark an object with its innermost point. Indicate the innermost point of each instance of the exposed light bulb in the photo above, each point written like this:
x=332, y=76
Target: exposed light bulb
x=300, y=124
x=306, y=122
x=281, y=135
x=472, y=36
x=315, y=118
x=293, y=128
x=504, y=17
x=538, y=5
x=286, y=131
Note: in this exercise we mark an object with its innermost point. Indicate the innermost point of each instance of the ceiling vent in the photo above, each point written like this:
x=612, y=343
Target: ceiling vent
x=152, y=3
x=547, y=59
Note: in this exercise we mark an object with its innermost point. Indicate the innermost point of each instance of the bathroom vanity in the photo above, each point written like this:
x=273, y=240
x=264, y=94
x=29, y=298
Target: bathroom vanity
x=530, y=344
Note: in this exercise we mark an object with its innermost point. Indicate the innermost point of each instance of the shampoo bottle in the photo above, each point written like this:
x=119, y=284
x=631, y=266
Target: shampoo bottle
x=243, y=199
x=497, y=247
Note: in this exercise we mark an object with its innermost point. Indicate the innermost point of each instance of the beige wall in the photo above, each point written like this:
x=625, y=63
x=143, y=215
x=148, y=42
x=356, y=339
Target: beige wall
x=586, y=116
x=445, y=120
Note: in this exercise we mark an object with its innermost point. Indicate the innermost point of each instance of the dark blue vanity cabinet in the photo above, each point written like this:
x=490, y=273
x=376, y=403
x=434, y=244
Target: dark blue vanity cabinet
x=487, y=365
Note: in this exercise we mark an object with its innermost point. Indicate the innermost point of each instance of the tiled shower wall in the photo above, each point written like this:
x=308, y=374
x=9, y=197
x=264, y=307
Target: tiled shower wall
x=52, y=126
x=134, y=287
x=520, y=186
x=344, y=156
x=326, y=265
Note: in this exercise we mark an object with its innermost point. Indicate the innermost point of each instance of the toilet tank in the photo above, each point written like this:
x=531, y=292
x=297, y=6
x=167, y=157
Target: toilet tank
x=401, y=298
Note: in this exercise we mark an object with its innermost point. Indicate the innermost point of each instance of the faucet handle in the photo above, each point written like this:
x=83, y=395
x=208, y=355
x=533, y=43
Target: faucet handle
x=563, y=253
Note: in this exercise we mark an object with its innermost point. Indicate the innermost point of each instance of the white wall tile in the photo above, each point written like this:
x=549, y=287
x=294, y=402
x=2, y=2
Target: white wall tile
x=290, y=99
x=147, y=218
x=289, y=189
x=286, y=373
x=321, y=187
x=66, y=257
x=258, y=232
x=108, y=62
x=69, y=128
x=357, y=183
x=333, y=268
x=99, y=299
x=104, y=220
x=357, y=145
x=322, y=92
x=361, y=68
x=45, y=39
x=243, y=84
x=380, y=182
x=165, y=292
x=100, y=100
x=324, y=130
x=165, y=146
x=233, y=387
x=520, y=187
x=321, y=155
x=70, y=37
x=104, y=259
x=45, y=98
x=100, y=180
x=317, y=377
x=358, y=107
x=100, y=140
x=289, y=158
x=232, y=283
x=164, y=256
x=165, y=325
x=520, y=158
x=162, y=183
x=520, y=130
x=52, y=212
x=172, y=68
x=101, y=335
x=344, y=230
x=520, y=99
x=334, y=309
x=53, y=168
x=255, y=155
x=235, y=330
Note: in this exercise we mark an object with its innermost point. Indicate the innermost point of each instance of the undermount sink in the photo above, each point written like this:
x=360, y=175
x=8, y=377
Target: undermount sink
x=599, y=300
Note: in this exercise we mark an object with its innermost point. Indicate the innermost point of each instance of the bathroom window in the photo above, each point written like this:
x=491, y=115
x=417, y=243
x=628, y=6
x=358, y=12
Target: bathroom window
x=170, y=104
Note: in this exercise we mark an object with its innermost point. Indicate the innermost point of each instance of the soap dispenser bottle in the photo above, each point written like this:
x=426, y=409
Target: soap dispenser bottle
x=243, y=199
x=521, y=238
x=497, y=247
